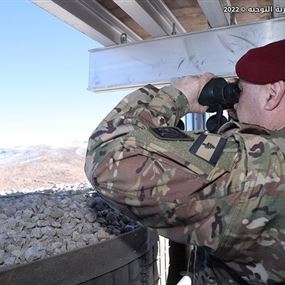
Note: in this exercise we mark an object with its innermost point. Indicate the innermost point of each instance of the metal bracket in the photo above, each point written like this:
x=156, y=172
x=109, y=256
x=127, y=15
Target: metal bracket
x=124, y=38
x=161, y=60
x=173, y=29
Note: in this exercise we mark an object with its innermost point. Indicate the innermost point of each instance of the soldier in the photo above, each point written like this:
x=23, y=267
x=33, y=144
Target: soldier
x=222, y=193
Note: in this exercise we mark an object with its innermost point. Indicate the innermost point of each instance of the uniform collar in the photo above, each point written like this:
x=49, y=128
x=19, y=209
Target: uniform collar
x=233, y=127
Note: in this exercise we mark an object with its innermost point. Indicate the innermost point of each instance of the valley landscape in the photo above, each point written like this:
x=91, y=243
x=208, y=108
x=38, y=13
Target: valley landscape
x=42, y=166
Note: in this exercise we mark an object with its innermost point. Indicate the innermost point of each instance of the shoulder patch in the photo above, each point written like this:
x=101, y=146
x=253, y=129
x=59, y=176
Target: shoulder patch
x=209, y=147
x=170, y=133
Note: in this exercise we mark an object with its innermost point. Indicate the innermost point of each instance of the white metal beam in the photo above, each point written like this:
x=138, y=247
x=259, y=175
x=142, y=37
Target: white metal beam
x=91, y=18
x=161, y=60
x=278, y=8
x=153, y=16
x=214, y=11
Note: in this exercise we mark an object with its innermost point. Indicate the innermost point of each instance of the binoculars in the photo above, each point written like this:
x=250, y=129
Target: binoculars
x=219, y=94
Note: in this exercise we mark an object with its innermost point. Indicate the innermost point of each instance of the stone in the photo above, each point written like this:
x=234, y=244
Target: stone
x=37, y=233
x=71, y=245
x=110, y=217
x=87, y=228
x=27, y=214
x=32, y=254
x=18, y=260
x=11, y=233
x=125, y=219
x=76, y=221
x=10, y=260
x=87, y=237
x=34, y=219
x=97, y=203
x=90, y=217
x=129, y=228
x=56, y=245
x=116, y=231
x=101, y=234
x=38, y=225
x=30, y=225
x=67, y=229
x=2, y=253
x=78, y=215
x=41, y=211
x=51, y=232
x=79, y=227
x=102, y=221
x=12, y=222
x=11, y=247
x=43, y=223
x=56, y=213
x=42, y=216
x=80, y=244
x=56, y=224
x=75, y=236
x=9, y=211
x=16, y=252
x=2, y=242
x=3, y=217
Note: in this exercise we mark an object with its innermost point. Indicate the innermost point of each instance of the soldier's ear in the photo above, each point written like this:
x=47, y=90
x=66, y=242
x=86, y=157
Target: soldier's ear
x=275, y=95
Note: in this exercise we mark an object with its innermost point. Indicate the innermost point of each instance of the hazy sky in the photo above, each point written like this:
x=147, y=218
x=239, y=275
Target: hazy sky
x=44, y=78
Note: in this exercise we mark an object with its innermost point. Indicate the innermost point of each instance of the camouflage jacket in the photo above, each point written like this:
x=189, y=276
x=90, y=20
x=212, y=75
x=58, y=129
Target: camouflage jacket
x=221, y=192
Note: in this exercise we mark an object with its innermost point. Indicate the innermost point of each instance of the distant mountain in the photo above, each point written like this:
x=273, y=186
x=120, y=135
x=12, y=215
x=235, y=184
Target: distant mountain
x=41, y=166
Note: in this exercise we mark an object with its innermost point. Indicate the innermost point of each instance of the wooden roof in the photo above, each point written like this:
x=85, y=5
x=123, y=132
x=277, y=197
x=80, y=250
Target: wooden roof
x=139, y=41
x=190, y=15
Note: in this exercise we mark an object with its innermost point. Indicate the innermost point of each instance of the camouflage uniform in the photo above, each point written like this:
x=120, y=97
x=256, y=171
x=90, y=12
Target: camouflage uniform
x=223, y=193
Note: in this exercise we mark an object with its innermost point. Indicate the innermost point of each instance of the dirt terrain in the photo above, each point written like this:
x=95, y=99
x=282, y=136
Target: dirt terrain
x=41, y=166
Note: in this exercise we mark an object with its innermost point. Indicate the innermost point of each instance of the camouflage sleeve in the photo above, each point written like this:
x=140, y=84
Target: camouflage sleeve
x=159, y=181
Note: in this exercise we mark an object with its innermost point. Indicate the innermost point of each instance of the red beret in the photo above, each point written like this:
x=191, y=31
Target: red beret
x=263, y=65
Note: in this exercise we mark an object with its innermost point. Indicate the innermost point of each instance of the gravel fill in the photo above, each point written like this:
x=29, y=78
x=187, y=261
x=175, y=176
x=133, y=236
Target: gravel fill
x=45, y=223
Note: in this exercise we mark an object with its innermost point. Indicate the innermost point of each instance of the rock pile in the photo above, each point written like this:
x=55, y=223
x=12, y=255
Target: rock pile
x=40, y=224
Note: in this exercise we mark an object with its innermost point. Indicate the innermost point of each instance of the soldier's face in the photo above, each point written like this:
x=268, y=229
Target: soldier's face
x=251, y=103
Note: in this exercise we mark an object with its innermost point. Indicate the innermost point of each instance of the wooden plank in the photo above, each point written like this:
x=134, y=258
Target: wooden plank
x=131, y=273
x=81, y=265
x=121, y=275
x=134, y=271
x=154, y=265
x=146, y=273
x=106, y=279
x=149, y=266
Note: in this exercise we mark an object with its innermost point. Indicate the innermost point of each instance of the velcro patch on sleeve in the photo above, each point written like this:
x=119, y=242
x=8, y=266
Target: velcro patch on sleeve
x=170, y=133
x=209, y=147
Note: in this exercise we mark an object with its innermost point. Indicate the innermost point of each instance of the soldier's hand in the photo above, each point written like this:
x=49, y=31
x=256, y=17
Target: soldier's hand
x=191, y=87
